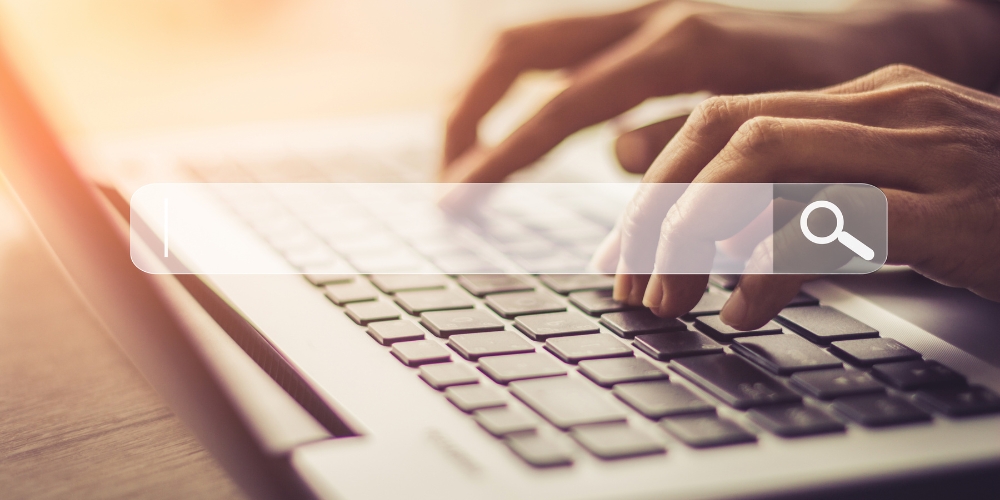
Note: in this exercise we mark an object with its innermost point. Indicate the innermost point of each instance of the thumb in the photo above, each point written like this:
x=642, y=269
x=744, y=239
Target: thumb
x=636, y=149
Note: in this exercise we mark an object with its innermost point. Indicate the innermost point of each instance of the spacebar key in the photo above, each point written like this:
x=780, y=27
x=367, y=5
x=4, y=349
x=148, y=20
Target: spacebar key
x=566, y=402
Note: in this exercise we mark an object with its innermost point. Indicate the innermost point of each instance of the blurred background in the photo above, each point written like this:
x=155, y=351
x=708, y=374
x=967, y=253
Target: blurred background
x=128, y=66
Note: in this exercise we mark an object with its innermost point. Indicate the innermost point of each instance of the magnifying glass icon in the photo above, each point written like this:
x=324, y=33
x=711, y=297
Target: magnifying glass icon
x=838, y=234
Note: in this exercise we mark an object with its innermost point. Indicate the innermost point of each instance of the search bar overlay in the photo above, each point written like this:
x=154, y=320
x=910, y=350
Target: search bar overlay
x=511, y=228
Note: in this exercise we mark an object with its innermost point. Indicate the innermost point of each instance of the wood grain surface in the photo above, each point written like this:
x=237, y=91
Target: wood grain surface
x=76, y=419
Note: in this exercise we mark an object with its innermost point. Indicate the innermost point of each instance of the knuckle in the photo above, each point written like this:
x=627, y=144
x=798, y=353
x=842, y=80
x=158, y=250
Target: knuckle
x=630, y=217
x=965, y=146
x=692, y=24
x=925, y=99
x=690, y=21
x=683, y=9
x=697, y=26
x=685, y=6
x=717, y=114
x=888, y=76
x=985, y=143
x=901, y=73
x=896, y=74
x=512, y=40
x=760, y=136
x=925, y=91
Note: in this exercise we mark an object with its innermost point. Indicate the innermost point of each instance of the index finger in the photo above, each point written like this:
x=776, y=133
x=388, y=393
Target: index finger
x=547, y=45
x=604, y=89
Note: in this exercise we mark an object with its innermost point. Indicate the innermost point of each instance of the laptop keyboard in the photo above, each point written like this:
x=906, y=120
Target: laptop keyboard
x=522, y=337
x=501, y=347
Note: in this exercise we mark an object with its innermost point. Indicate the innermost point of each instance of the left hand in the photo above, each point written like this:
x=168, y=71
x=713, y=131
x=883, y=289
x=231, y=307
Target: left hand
x=615, y=61
x=931, y=145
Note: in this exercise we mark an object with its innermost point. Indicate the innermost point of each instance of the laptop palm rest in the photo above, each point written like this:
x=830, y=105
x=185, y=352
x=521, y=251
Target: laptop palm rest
x=955, y=315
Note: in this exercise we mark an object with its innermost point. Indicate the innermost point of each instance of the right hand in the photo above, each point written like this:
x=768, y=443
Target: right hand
x=930, y=145
x=668, y=47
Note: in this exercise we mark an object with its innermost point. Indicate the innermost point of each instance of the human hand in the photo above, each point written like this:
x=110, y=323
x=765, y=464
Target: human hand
x=930, y=145
x=616, y=61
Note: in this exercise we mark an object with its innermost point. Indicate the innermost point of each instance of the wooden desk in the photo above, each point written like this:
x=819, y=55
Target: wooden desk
x=76, y=419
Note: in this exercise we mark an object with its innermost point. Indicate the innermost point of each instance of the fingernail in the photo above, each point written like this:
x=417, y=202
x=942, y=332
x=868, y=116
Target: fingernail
x=654, y=293
x=734, y=313
x=623, y=287
x=637, y=291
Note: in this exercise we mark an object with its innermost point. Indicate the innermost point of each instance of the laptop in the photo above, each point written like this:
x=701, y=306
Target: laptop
x=483, y=384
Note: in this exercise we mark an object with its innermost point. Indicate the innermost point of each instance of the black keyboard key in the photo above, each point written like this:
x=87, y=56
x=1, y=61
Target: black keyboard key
x=447, y=323
x=568, y=283
x=795, y=420
x=389, y=332
x=803, y=299
x=420, y=352
x=960, y=401
x=593, y=346
x=482, y=285
x=567, y=402
x=710, y=303
x=704, y=431
x=724, y=281
x=504, y=421
x=824, y=324
x=472, y=346
x=616, y=440
x=505, y=369
x=715, y=328
x=511, y=305
x=539, y=451
x=416, y=303
x=628, y=324
x=832, y=384
x=543, y=326
x=659, y=398
x=879, y=410
x=598, y=302
x=470, y=398
x=667, y=346
x=918, y=374
x=443, y=375
x=320, y=279
x=392, y=283
x=867, y=352
x=785, y=354
x=347, y=293
x=734, y=380
x=608, y=372
x=368, y=312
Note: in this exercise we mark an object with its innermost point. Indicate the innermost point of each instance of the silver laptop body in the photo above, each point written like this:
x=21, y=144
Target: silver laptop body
x=384, y=431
